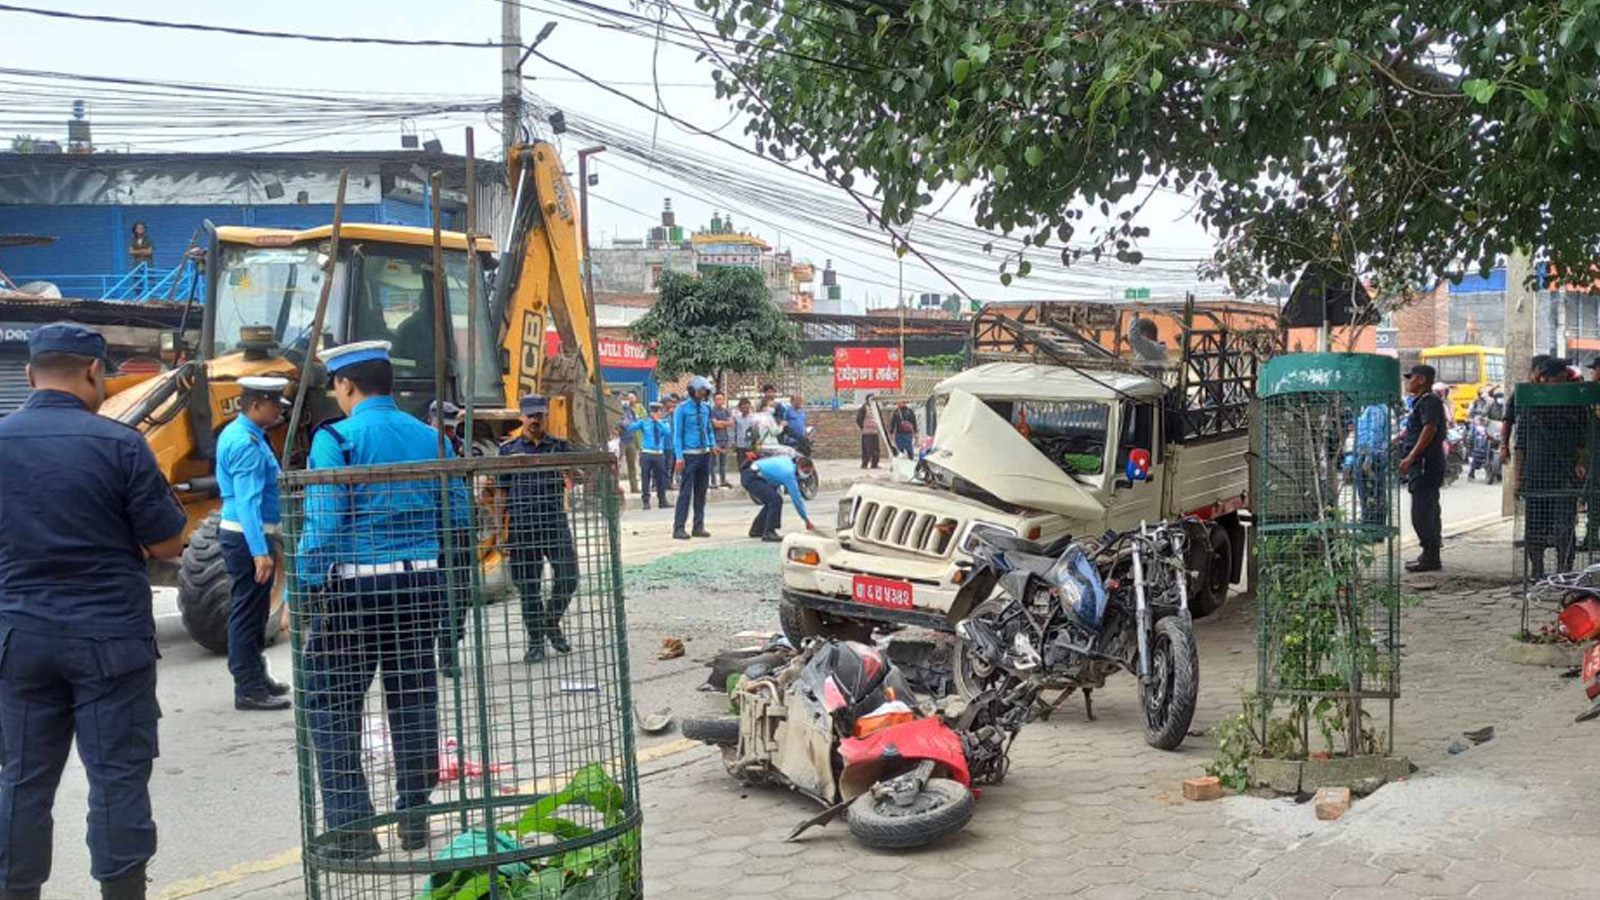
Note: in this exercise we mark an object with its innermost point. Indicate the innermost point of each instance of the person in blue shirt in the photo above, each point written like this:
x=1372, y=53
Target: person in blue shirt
x=693, y=446
x=247, y=477
x=655, y=435
x=538, y=531
x=82, y=503
x=1370, y=464
x=369, y=579
x=762, y=477
x=794, y=425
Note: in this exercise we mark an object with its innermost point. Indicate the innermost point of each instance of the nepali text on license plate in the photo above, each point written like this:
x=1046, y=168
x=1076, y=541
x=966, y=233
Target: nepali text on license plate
x=881, y=592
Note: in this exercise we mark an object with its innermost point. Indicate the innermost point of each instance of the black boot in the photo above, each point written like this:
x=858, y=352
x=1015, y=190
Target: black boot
x=350, y=846
x=535, y=652
x=680, y=535
x=1427, y=562
x=129, y=886
x=414, y=834
x=558, y=641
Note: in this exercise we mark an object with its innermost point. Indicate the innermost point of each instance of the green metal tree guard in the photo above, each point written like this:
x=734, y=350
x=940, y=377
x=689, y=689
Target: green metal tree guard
x=1556, y=439
x=438, y=759
x=1327, y=545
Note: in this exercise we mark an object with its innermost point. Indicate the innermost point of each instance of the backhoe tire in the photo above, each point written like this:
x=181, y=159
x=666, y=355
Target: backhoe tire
x=943, y=807
x=1168, y=702
x=205, y=592
x=720, y=731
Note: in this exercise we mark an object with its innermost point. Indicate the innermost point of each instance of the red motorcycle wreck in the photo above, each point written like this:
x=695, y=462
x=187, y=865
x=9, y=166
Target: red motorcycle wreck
x=839, y=724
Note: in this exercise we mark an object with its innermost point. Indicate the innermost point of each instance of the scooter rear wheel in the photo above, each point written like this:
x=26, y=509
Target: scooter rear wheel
x=942, y=807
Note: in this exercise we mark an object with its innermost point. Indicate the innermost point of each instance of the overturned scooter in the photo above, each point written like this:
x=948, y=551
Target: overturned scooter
x=840, y=725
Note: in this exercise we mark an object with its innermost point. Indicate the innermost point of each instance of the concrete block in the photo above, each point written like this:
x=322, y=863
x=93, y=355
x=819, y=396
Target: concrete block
x=1349, y=772
x=1331, y=803
x=1207, y=788
x=1281, y=775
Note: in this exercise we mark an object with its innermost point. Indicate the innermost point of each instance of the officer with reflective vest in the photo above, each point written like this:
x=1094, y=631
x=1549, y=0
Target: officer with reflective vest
x=82, y=503
x=693, y=445
x=539, y=532
x=368, y=571
x=655, y=442
x=247, y=476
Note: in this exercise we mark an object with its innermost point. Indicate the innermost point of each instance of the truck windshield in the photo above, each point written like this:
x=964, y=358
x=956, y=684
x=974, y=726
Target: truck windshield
x=1070, y=433
x=276, y=287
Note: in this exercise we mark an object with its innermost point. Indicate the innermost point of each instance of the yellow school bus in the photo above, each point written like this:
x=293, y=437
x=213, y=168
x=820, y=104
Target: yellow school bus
x=1466, y=368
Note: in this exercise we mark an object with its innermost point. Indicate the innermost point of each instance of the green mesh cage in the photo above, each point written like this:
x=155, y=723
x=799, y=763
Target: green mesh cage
x=1555, y=440
x=439, y=757
x=1327, y=536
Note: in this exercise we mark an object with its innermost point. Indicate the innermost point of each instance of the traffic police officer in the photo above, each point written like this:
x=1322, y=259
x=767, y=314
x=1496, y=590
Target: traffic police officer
x=539, y=531
x=656, y=440
x=693, y=446
x=81, y=505
x=762, y=477
x=247, y=475
x=369, y=555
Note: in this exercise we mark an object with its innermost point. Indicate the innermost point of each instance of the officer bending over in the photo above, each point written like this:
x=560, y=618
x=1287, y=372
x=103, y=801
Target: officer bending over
x=763, y=477
x=81, y=505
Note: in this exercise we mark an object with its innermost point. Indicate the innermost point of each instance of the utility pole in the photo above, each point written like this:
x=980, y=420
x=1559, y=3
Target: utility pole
x=510, y=74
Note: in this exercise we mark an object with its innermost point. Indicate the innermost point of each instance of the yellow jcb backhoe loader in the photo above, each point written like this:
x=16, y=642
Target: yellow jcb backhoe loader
x=262, y=290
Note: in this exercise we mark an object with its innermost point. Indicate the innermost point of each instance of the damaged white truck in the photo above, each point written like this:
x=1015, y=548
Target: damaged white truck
x=1077, y=421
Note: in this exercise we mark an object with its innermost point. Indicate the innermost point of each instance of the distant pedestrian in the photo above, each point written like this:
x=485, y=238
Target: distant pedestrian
x=631, y=413
x=142, y=252
x=867, y=422
x=770, y=403
x=1479, y=447
x=451, y=416
x=744, y=424
x=669, y=413
x=722, y=431
x=693, y=445
x=1371, y=464
x=794, y=425
x=655, y=436
x=82, y=504
x=903, y=425
x=763, y=477
x=1426, y=457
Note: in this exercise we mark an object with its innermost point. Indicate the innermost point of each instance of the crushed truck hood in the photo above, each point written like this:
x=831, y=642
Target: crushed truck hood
x=975, y=443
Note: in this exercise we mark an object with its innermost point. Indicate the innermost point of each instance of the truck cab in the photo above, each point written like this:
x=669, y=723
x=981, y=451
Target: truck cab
x=1037, y=451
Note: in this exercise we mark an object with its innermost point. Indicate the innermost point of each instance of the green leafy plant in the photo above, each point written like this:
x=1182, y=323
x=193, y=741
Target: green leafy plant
x=601, y=871
x=719, y=322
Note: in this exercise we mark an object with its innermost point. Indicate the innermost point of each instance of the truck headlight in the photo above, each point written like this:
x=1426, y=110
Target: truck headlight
x=985, y=528
x=847, y=514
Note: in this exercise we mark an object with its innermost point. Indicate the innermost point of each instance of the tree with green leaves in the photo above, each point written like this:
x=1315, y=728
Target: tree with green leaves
x=721, y=321
x=1399, y=140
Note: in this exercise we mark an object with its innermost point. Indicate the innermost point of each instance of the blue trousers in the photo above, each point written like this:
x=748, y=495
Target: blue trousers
x=247, y=617
x=655, y=476
x=53, y=688
x=907, y=444
x=360, y=627
x=696, y=478
x=770, y=518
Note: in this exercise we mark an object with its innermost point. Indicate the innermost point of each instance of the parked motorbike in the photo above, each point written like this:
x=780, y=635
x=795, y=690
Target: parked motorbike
x=1068, y=616
x=1455, y=453
x=840, y=725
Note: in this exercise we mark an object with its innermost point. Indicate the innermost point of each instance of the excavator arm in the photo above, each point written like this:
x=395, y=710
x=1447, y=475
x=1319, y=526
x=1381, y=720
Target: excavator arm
x=539, y=284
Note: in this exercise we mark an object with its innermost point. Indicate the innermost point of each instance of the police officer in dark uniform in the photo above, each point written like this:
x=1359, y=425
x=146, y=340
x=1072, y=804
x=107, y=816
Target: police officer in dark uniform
x=370, y=559
x=82, y=504
x=539, y=531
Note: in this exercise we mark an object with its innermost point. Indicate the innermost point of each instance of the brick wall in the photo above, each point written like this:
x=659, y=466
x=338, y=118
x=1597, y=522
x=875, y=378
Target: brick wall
x=837, y=436
x=1425, y=321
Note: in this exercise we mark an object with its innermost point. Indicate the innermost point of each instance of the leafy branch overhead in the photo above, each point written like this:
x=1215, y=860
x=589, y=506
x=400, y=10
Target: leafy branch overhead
x=1399, y=138
x=722, y=321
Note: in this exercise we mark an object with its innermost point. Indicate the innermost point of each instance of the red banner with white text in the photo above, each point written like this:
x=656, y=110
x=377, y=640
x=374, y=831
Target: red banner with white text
x=866, y=368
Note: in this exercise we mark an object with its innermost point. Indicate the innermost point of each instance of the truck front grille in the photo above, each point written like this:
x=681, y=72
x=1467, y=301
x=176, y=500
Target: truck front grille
x=906, y=529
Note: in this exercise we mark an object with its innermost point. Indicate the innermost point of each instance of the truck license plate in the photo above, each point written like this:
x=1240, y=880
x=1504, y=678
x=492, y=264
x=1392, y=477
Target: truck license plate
x=881, y=592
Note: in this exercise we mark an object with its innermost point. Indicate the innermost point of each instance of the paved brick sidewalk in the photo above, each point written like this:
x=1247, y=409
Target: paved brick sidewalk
x=1089, y=811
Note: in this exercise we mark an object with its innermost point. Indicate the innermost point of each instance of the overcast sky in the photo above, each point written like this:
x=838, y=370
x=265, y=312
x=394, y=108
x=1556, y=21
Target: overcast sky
x=625, y=202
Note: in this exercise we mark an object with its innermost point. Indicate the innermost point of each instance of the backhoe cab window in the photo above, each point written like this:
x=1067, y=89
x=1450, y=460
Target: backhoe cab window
x=272, y=286
x=393, y=301
x=1070, y=433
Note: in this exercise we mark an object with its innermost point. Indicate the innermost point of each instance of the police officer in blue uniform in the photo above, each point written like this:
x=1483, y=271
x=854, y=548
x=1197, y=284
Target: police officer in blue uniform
x=693, y=445
x=82, y=504
x=536, y=513
x=368, y=572
x=247, y=476
x=763, y=477
x=656, y=441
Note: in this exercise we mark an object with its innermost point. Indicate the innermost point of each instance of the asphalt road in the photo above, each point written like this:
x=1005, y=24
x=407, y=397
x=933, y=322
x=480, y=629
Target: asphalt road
x=225, y=788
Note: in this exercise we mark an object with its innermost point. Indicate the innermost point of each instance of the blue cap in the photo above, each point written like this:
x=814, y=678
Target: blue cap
x=534, y=405
x=346, y=355
x=67, y=337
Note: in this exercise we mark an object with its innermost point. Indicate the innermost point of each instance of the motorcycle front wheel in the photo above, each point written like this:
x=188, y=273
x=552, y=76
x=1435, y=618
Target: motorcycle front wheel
x=942, y=807
x=1169, y=699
